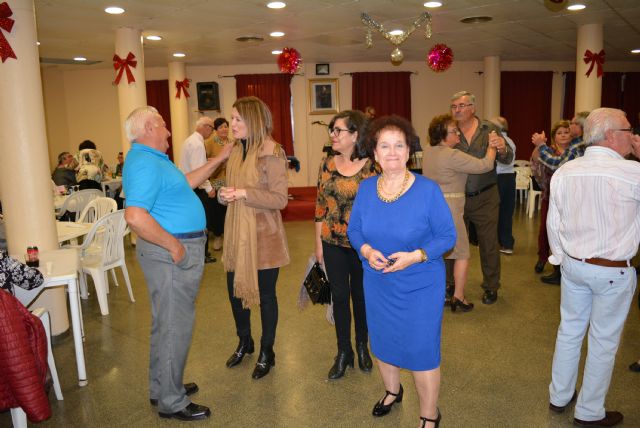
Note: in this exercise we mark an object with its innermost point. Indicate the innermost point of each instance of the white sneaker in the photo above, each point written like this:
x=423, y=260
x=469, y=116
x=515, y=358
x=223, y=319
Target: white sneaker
x=217, y=243
x=508, y=251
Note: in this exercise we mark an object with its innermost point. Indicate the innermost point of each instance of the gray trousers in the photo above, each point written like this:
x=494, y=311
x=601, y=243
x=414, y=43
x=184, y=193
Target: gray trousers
x=173, y=289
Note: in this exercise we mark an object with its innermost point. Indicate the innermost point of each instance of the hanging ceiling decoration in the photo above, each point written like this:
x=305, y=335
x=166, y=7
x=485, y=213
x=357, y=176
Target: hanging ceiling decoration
x=395, y=39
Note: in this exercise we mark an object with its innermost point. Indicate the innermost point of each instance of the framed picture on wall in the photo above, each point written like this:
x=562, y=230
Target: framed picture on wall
x=323, y=96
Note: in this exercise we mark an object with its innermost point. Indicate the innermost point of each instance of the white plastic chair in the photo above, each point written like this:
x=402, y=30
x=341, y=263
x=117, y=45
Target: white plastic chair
x=18, y=416
x=523, y=174
x=103, y=250
x=531, y=199
x=96, y=209
x=522, y=162
x=76, y=202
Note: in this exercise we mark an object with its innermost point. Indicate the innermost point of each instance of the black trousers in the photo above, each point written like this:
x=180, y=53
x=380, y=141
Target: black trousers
x=507, y=191
x=344, y=271
x=207, y=204
x=267, y=279
x=219, y=213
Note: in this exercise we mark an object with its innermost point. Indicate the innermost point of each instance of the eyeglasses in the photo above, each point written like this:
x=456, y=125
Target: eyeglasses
x=625, y=130
x=337, y=131
x=459, y=106
x=454, y=132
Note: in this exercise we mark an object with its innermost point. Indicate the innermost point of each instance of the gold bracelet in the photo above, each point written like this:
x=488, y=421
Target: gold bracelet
x=424, y=255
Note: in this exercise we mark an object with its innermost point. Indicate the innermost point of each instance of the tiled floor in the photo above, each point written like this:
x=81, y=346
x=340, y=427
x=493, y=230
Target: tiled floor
x=495, y=367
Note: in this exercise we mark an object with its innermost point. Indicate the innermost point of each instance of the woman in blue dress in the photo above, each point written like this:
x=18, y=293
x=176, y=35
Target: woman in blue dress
x=401, y=227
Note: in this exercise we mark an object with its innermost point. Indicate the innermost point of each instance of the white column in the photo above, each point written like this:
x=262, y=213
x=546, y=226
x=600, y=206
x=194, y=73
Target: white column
x=130, y=95
x=179, y=109
x=491, y=106
x=25, y=178
x=588, y=89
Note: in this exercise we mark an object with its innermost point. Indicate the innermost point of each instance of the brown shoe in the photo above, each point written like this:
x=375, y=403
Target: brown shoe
x=610, y=419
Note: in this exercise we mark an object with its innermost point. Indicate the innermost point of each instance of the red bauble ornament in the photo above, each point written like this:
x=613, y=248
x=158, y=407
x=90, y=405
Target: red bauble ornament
x=289, y=60
x=440, y=58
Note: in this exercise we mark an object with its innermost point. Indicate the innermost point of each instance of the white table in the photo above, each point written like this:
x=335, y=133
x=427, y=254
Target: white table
x=63, y=273
x=68, y=230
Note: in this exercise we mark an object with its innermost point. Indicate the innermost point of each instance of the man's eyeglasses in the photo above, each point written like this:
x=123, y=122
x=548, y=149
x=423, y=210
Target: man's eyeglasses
x=459, y=106
x=337, y=131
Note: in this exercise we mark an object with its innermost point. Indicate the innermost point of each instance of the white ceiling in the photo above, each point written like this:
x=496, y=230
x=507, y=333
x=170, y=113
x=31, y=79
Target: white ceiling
x=329, y=30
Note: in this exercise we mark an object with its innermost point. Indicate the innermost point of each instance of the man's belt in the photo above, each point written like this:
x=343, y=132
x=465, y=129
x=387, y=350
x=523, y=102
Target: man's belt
x=604, y=262
x=189, y=235
x=485, y=188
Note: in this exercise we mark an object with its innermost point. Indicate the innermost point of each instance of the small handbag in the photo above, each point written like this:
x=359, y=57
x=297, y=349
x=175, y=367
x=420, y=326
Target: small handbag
x=317, y=285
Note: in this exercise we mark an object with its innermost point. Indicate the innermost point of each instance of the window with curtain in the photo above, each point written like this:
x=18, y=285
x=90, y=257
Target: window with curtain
x=275, y=91
x=527, y=108
x=158, y=97
x=388, y=92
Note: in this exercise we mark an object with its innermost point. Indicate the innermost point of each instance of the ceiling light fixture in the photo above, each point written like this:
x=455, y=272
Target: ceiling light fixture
x=476, y=19
x=276, y=34
x=276, y=5
x=276, y=52
x=79, y=58
x=154, y=38
x=114, y=10
x=577, y=6
x=179, y=55
x=635, y=51
x=433, y=4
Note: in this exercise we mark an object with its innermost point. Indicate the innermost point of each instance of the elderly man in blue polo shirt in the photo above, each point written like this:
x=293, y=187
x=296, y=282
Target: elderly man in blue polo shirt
x=170, y=222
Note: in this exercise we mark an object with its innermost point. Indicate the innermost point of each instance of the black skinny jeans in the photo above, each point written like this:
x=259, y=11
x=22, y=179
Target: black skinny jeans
x=344, y=271
x=267, y=279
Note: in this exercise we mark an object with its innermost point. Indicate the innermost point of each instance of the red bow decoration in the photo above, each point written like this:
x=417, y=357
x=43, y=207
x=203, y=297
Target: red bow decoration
x=182, y=86
x=593, y=58
x=6, y=24
x=121, y=65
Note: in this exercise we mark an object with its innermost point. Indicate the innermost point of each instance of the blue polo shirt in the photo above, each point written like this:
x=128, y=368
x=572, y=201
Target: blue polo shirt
x=151, y=181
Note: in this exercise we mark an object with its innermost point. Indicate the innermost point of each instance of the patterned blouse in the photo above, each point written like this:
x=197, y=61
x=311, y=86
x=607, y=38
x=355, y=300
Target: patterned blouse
x=335, y=199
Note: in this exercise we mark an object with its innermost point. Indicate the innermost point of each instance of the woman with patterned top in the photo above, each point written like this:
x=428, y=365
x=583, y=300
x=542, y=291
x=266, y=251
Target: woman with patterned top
x=214, y=146
x=338, y=180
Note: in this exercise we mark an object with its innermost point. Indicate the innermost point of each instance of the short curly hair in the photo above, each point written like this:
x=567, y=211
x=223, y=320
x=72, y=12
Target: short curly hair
x=386, y=123
x=438, y=128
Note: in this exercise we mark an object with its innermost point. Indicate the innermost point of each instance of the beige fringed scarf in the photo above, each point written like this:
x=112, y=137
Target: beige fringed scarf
x=240, y=250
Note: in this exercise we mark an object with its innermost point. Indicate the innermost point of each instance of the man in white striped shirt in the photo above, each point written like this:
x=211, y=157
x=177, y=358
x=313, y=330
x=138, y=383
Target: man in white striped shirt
x=594, y=231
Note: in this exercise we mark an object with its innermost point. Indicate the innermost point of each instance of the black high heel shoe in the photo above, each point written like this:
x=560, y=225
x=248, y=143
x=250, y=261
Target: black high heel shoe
x=245, y=346
x=381, y=409
x=266, y=360
x=343, y=359
x=457, y=303
x=436, y=421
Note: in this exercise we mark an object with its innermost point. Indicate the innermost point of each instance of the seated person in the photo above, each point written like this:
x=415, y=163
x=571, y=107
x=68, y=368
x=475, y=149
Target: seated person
x=18, y=274
x=120, y=164
x=64, y=174
x=91, y=167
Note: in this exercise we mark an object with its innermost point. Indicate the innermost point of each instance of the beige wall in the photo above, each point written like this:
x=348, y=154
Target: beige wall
x=83, y=104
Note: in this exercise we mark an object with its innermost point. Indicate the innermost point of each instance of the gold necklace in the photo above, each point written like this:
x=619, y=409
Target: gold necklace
x=395, y=197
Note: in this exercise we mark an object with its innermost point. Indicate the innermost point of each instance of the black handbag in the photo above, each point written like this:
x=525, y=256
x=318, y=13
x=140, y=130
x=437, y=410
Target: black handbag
x=317, y=285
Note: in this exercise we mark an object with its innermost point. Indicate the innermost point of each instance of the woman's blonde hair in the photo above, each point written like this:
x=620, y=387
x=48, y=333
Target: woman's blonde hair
x=257, y=117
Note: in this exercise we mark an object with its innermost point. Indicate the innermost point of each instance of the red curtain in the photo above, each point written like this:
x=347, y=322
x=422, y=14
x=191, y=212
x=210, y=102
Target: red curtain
x=275, y=91
x=568, y=109
x=388, y=92
x=611, y=90
x=527, y=108
x=631, y=97
x=158, y=97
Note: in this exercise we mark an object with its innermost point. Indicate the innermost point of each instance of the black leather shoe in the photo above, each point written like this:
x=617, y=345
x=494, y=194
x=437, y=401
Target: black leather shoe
x=539, y=267
x=190, y=388
x=553, y=278
x=634, y=367
x=436, y=421
x=381, y=409
x=456, y=303
x=489, y=297
x=560, y=409
x=610, y=419
x=193, y=412
x=266, y=360
x=364, y=359
x=209, y=259
x=342, y=360
x=245, y=346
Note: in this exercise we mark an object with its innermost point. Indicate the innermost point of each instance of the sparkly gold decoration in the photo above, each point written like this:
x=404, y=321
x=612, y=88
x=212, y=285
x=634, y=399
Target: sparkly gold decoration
x=396, y=56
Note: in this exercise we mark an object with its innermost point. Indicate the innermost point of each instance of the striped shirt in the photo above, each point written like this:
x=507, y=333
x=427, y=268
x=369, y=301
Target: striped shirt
x=594, y=209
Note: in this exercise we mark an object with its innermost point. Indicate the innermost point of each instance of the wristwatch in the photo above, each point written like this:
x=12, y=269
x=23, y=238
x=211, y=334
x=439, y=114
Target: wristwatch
x=424, y=255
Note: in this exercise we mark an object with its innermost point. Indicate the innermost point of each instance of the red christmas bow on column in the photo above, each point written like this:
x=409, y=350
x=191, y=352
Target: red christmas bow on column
x=182, y=86
x=121, y=65
x=6, y=24
x=593, y=58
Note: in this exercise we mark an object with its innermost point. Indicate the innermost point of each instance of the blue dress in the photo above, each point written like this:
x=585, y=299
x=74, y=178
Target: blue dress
x=404, y=308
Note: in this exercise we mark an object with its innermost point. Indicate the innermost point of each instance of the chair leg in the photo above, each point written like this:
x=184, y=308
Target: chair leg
x=84, y=293
x=125, y=273
x=19, y=417
x=101, y=290
x=46, y=322
x=115, y=279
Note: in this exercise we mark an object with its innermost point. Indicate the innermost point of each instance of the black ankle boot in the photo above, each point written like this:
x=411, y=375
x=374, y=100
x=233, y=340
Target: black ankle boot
x=343, y=359
x=245, y=346
x=364, y=359
x=266, y=360
x=554, y=277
